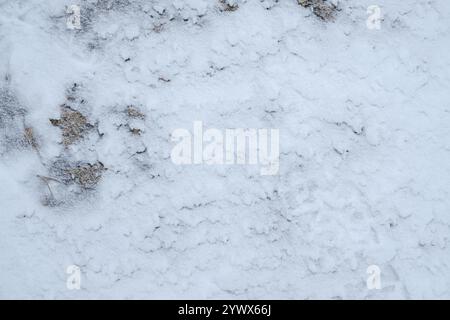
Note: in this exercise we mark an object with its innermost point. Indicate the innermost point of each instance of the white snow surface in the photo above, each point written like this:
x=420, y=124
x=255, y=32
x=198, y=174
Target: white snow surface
x=364, y=120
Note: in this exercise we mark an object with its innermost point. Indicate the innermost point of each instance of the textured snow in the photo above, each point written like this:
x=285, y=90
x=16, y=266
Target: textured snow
x=364, y=120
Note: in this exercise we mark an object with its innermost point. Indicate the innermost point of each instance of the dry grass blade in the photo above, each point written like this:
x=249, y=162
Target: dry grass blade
x=30, y=138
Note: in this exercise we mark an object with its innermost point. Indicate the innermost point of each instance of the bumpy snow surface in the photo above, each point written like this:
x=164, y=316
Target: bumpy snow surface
x=87, y=179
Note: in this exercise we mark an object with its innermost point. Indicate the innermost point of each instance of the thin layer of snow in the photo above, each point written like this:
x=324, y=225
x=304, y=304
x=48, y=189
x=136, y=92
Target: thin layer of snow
x=364, y=119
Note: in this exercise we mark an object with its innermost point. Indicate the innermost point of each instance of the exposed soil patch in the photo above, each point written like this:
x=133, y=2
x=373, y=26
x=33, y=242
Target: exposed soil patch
x=71, y=182
x=135, y=113
x=85, y=175
x=30, y=138
x=323, y=9
x=12, y=118
x=73, y=124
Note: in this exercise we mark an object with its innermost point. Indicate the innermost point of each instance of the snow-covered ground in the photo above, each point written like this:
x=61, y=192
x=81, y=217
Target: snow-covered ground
x=86, y=117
